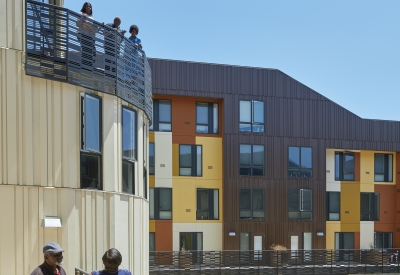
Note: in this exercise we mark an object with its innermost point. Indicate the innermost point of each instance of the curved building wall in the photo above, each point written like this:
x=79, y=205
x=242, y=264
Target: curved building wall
x=40, y=176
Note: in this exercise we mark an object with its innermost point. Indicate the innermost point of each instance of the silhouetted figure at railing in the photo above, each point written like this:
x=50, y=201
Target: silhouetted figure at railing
x=112, y=259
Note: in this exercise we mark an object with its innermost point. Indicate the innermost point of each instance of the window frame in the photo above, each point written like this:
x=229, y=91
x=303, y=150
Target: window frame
x=373, y=212
x=300, y=169
x=84, y=151
x=129, y=160
x=152, y=164
x=341, y=166
x=252, y=123
x=155, y=204
x=251, y=209
x=328, y=208
x=300, y=194
x=210, y=116
x=387, y=166
x=193, y=156
x=252, y=166
x=156, y=116
x=211, y=202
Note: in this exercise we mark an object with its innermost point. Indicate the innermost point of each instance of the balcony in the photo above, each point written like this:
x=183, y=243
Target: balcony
x=65, y=46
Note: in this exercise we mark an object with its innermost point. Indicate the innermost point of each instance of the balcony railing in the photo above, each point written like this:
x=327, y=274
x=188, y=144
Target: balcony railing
x=65, y=46
x=275, y=262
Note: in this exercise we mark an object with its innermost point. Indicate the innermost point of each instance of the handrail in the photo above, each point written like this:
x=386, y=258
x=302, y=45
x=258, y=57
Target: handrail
x=65, y=46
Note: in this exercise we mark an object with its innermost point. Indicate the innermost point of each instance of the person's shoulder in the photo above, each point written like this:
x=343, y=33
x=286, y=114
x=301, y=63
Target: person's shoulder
x=124, y=272
x=37, y=271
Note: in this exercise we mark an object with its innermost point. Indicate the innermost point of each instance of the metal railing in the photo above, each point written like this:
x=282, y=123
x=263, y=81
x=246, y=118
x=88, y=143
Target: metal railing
x=66, y=46
x=80, y=272
x=275, y=262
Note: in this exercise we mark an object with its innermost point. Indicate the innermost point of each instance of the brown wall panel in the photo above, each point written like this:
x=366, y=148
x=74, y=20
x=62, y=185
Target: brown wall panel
x=357, y=167
x=163, y=235
x=294, y=115
x=387, y=215
x=357, y=240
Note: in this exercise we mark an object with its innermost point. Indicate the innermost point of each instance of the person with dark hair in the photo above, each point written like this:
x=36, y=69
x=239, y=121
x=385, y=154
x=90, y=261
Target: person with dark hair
x=115, y=25
x=134, y=31
x=112, y=260
x=87, y=9
x=53, y=259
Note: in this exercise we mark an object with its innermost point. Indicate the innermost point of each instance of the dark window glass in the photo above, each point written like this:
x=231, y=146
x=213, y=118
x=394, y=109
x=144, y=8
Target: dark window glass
x=145, y=183
x=300, y=204
x=251, y=116
x=160, y=203
x=300, y=162
x=91, y=141
x=162, y=115
x=193, y=242
x=369, y=206
x=206, y=118
x=383, y=240
x=251, y=160
x=128, y=182
x=383, y=168
x=344, y=166
x=190, y=160
x=207, y=204
x=91, y=171
x=344, y=244
x=333, y=206
x=151, y=159
x=251, y=204
x=129, y=149
x=152, y=241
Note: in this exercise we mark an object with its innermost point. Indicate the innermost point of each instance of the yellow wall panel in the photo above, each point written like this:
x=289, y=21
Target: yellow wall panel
x=350, y=204
x=184, y=199
x=152, y=226
x=152, y=181
x=151, y=136
x=367, y=166
x=331, y=228
x=350, y=227
x=212, y=157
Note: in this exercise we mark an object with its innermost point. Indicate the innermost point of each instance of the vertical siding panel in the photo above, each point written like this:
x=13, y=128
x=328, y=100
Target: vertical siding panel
x=56, y=134
x=3, y=101
x=50, y=132
x=19, y=229
x=7, y=239
x=28, y=131
x=11, y=119
x=3, y=24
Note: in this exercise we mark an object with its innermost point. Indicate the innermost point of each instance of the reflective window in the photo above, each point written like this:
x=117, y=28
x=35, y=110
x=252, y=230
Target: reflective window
x=251, y=160
x=300, y=204
x=206, y=118
x=160, y=203
x=383, y=167
x=90, y=171
x=207, y=204
x=251, y=204
x=151, y=158
x=333, y=206
x=344, y=166
x=369, y=206
x=162, y=115
x=190, y=160
x=128, y=180
x=129, y=147
x=300, y=162
x=251, y=116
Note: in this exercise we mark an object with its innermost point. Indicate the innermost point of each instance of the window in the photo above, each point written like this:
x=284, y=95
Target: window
x=161, y=115
x=91, y=141
x=152, y=241
x=300, y=204
x=251, y=204
x=383, y=168
x=251, y=116
x=207, y=204
x=369, y=206
x=333, y=206
x=344, y=245
x=151, y=158
x=206, y=118
x=129, y=150
x=383, y=240
x=251, y=160
x=344, y=166
x=160, y=203
x=300, y=162
x=190, y=160
x=193, y=242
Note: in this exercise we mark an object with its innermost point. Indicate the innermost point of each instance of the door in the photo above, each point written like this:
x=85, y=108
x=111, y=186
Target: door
x=258, y=248
x=294, y=246
x=244, y=247
x=307, y=246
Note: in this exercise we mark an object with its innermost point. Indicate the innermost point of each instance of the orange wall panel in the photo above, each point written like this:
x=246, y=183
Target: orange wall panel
x=356, y=240
x=163, y=235
x=387, y=211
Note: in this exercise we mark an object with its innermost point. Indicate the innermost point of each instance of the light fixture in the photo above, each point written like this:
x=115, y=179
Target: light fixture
x=232, y=233
x=51, y=222
x=320, y=233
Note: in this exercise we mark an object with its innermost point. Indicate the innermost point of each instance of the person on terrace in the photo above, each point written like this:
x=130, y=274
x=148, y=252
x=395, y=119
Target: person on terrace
x=112, y=260
x=134, y=31
x=115, y=25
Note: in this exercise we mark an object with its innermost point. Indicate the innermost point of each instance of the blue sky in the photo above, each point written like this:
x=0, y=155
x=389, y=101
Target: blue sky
x=349, y=51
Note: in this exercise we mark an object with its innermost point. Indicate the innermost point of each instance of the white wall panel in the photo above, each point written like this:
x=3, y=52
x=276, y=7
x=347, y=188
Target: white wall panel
x=163, y=153
x=366, y=234
x=11, y=22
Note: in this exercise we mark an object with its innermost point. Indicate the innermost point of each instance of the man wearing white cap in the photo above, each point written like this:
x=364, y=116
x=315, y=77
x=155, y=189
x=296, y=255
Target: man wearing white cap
x=53, y=260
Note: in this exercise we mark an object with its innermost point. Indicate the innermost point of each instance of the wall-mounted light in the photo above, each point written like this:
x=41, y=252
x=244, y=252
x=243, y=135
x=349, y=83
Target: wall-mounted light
x=232, y=233
x=51, y=222
x=320, y=233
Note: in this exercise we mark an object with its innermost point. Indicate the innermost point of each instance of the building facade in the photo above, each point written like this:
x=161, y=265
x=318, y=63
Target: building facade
x=73, y=141
x=297, y=169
